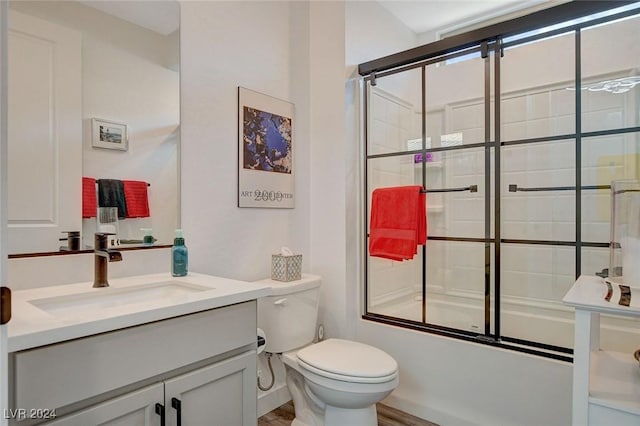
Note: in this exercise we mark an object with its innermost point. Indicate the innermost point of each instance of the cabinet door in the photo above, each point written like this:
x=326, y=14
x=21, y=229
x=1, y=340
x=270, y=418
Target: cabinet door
x=133, y=409
x=221, y=394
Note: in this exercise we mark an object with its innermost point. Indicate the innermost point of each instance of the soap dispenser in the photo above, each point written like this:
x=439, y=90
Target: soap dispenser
x=179, y=256
x=148, y=239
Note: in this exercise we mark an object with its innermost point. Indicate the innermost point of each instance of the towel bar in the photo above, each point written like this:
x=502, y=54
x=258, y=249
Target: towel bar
x=472, y=188
x=514, y=188
x=148, y=184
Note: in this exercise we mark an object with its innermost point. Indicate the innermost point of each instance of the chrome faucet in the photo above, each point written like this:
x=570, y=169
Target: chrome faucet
x=102, y=257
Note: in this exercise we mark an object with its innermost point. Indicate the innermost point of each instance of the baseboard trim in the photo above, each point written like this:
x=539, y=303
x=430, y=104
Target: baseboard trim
x=273, y=398
x=425, y=412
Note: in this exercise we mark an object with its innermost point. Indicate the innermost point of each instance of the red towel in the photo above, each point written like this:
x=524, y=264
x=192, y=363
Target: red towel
x=135, y=195
x=89, y=202
x=398, y=222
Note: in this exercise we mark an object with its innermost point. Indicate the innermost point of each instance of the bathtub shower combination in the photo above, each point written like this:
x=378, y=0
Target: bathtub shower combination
x=516, y=140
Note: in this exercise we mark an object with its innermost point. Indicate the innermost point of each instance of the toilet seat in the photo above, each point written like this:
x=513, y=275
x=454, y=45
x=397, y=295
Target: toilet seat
x=344, y=378
x=348, y=361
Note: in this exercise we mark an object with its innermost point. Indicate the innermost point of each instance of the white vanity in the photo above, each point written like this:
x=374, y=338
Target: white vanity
x=606, y=384
x=148, y=350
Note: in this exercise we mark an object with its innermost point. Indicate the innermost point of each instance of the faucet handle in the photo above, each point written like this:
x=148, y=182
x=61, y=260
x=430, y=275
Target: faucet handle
x=101, y=240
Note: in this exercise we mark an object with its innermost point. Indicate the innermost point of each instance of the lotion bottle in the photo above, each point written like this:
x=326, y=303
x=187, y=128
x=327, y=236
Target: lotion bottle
x=179, y=256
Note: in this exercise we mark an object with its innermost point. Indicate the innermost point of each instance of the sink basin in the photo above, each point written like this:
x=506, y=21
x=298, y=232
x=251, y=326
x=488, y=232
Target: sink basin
x=113, y=297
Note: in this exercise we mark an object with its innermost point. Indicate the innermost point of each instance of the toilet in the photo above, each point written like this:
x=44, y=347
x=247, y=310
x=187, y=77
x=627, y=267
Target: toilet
x=333, y=382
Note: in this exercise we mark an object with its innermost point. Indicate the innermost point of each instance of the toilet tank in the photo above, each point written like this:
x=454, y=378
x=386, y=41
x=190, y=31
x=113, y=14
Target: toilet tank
x=289, y=315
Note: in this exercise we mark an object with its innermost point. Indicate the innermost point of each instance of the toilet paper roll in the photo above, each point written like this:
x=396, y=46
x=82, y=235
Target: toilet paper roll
x=262, y=340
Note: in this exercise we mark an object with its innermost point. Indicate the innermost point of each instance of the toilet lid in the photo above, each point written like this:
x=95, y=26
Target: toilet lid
x=349, y=359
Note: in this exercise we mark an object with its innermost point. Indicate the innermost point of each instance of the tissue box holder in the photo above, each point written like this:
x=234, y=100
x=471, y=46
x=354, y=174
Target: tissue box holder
x=286, y=268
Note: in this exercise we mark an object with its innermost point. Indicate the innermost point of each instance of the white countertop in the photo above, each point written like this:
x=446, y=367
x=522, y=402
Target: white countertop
x=31, y=327
x=588, y=292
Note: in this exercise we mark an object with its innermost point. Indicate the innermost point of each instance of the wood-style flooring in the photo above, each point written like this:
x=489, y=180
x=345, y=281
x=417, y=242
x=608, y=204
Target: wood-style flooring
x=387, y=416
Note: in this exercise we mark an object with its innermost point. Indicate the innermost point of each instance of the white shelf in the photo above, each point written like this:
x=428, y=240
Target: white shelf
x=615, y=381
x=588, y=293
x=436, y=208
x=606, y=384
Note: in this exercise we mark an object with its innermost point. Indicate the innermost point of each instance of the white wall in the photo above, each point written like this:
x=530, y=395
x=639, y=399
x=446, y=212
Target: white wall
x=376, y=31
x=284, y=50
x=256, y=53
x=328, y=223
x=444, y=380
x=293, y=51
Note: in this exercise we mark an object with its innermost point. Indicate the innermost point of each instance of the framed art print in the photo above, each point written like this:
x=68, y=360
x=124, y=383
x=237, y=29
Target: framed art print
x=109, y=134
x=265, y=151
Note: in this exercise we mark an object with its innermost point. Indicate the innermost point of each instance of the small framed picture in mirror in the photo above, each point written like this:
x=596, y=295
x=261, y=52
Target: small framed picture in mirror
x=109, y=134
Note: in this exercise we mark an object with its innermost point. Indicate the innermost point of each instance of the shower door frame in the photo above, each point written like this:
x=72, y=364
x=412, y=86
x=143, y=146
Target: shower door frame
x=489, y=42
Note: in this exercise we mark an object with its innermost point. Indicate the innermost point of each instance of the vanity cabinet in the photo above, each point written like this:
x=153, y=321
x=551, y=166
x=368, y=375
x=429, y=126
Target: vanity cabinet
x=211, y=395
x=132, y=409
x=197, y=366
x=606, y=384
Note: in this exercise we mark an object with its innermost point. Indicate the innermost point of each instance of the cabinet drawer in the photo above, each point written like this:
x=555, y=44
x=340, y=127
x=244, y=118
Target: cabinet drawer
x=58, y=375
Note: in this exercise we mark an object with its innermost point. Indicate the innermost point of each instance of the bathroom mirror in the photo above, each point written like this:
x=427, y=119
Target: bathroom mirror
x=74, y=68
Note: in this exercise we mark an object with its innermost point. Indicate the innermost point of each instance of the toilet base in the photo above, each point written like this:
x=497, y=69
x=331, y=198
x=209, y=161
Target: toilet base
x=342, y=416
x=319, y=400
x=311, y=411
x=297, y=422
x=334, y=416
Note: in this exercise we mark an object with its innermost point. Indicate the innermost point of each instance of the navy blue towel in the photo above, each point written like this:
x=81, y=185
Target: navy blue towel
x=111, y=194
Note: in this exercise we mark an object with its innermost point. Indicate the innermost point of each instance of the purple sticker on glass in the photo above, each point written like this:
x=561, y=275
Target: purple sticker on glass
x=417, y=158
